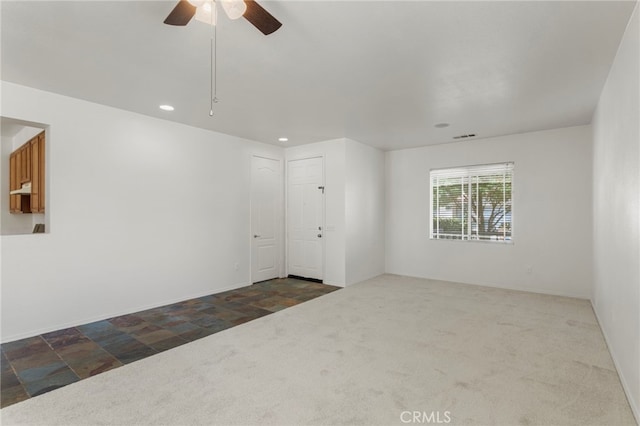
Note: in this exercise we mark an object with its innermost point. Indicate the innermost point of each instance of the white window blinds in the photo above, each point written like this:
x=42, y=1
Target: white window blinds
x=472, y=203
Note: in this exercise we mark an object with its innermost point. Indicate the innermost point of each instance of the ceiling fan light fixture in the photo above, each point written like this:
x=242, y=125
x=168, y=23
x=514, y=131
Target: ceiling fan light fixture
x=197, y=3
x=257, y=16
x=234, y=8
x=206, y=12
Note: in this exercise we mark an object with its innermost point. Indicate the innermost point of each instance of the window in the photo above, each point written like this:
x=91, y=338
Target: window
x=472, y=203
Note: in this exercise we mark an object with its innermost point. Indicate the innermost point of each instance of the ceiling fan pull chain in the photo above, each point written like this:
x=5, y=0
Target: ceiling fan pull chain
x=211, y=82
x=213, y=59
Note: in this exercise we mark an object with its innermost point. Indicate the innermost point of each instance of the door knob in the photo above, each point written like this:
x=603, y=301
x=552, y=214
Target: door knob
x=256, y=236
x=319, y=235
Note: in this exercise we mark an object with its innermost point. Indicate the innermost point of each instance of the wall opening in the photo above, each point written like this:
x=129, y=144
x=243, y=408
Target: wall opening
x=24, y=167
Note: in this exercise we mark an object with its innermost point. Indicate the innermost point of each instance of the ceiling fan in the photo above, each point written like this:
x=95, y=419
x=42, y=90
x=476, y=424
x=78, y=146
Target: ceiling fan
x=203, y=11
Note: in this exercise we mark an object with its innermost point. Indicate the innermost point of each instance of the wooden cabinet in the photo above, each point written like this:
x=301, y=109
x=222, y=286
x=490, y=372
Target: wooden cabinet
x=36, y=150
x=27, y=164
x=13, y=183
x=21, y=165
x=17, y=166
x=35, y=174
x=24, y=156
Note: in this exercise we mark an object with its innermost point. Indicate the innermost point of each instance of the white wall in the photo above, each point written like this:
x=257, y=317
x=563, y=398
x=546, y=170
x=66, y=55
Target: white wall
x=551, y=214
x=334, y=228
x=15, y=223
x=364, y=212
x=616, y=211
x=141, y=214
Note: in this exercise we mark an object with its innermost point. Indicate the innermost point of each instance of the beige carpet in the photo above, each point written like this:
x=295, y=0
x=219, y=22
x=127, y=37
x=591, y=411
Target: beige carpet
x=373, y=353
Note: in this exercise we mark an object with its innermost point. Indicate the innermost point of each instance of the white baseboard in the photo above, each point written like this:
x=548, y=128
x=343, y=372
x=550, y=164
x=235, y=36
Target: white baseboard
x=62, y=326
x=625, y=387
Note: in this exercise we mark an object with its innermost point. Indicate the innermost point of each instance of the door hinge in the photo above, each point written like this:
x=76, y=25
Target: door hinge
x=322, y=188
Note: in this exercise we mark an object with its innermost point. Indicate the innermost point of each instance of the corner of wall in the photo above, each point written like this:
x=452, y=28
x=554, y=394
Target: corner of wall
x=364, y=212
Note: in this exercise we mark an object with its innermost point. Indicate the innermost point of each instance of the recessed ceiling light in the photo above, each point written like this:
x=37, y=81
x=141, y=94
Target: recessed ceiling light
x=166, y=107
x=441, y=125
x=283, y=139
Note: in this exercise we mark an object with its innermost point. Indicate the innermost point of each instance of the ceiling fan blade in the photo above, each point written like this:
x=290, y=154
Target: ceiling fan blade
x=260, y=18
x=181, y=14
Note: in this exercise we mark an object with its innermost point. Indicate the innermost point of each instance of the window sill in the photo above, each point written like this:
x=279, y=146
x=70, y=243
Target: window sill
x=499, y=242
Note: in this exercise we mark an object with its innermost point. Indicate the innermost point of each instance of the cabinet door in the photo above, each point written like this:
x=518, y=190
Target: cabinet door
x=24, y=165
x=41, y=168
x=19, y=172
x=18, y=181
x=13, y=182
x=34, y=149
x=27, y=154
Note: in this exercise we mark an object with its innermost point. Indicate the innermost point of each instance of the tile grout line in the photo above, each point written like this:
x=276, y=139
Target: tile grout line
x=91, y=340
x=15, y=373
x=61, y=359
x=22, y=382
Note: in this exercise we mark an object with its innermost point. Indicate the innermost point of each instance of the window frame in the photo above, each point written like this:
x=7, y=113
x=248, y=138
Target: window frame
x=469, y=172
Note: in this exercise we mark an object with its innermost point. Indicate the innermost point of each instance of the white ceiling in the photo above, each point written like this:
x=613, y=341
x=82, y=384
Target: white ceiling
x=382, y=73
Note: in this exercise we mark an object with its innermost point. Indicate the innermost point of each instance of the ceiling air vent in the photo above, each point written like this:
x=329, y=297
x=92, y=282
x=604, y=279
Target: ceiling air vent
x=470, y=135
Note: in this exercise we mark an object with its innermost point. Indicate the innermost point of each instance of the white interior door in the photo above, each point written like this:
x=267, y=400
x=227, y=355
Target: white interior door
x=305, y=208
x=266, y=215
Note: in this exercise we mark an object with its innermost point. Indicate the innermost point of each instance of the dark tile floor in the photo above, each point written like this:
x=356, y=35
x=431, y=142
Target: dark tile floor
x=36, y=365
